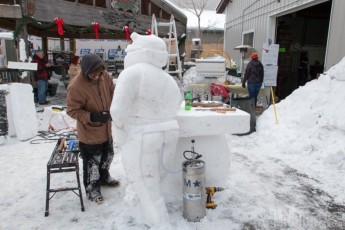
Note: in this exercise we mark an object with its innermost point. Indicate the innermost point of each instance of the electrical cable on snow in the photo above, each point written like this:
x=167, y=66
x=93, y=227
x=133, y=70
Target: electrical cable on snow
x=49, y=136
x=54, y=134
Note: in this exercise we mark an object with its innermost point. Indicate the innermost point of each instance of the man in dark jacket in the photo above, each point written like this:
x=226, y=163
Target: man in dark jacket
x=89, y=98
x=254, y=75
x=41, y=76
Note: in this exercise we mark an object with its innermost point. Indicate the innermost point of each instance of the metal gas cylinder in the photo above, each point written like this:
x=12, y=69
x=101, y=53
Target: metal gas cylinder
x=194, y=197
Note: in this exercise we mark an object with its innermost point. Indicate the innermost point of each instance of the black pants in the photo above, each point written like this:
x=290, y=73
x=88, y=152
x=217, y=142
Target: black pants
x=96, y=161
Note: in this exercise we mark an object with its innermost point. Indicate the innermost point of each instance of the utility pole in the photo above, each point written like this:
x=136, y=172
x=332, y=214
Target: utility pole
x=23, y=34
x=24, y=30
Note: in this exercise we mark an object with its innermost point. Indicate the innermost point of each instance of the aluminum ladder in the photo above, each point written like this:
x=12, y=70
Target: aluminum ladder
x=173, y=52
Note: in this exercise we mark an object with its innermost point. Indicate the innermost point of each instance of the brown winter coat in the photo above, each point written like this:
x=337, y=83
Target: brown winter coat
x=85, y=96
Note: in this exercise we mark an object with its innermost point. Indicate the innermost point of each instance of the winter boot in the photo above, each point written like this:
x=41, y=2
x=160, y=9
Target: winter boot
x=111, y=182
x=94, y=192
x=107, y=180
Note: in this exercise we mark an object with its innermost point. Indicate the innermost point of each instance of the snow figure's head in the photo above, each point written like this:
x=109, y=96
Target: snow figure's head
x=146, y=48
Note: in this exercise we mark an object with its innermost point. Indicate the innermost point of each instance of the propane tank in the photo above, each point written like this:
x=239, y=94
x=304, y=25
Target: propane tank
x=194, y=197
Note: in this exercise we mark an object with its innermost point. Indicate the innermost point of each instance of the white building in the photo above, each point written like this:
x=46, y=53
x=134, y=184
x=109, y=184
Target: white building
x=306, y=30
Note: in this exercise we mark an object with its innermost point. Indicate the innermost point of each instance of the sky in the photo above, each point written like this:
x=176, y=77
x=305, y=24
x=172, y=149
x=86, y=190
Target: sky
x=209, y=19
x=284, y=176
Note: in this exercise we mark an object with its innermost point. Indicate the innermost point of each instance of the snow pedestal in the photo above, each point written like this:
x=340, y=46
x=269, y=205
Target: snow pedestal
x=208, y=129
x=21, y=112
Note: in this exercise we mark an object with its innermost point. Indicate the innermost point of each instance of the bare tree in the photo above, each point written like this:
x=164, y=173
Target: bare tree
x=196, y=7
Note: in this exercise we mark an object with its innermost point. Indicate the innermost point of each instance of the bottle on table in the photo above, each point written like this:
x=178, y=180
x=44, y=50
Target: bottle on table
x=188, y=101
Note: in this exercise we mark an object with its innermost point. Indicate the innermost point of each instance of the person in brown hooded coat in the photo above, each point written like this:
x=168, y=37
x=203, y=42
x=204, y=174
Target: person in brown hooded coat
x=88, y=100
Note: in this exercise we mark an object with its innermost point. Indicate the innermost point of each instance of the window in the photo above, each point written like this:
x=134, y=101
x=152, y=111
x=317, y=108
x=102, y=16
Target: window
x=248, y=39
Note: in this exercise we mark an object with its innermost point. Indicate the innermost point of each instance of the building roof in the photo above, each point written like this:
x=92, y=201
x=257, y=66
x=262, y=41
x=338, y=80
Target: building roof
x=78, y=19
x=175, y=10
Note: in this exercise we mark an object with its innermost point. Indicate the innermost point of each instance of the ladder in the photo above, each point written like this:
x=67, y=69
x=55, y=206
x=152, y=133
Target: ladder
x=173, y=52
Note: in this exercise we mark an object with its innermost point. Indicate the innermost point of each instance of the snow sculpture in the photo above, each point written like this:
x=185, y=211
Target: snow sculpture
x=21, y=112
x=144, y=108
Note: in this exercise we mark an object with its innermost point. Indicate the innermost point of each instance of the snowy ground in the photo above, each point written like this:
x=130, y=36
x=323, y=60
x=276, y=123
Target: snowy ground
x=288, y=175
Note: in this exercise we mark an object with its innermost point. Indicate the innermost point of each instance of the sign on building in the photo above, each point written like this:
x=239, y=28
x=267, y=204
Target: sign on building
x=270, y=63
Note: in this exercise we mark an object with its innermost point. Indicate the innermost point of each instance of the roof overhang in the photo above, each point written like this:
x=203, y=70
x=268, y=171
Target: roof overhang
x=10, y=11
x=171, y=9
x=78, y=18
x=222, y=5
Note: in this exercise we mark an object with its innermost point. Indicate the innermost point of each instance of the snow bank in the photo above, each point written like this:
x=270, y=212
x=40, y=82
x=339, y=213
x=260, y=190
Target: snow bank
x=311, y=128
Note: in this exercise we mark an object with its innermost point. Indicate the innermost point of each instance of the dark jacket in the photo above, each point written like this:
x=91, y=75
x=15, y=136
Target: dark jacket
x=254, y=72
x=85, y=96
x=42, y=72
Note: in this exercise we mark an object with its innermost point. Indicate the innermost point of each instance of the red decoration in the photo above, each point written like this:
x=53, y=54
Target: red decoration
x=128, y=32
x=96, y=26
x=148, y=31
x=59, y=22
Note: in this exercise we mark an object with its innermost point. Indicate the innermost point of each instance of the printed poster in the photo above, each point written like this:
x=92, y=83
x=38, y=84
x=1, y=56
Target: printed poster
x=270, y=61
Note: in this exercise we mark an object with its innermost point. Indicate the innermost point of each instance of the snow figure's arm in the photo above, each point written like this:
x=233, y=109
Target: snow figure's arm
x=75, y=103
x=111, y=84
x=127, y=87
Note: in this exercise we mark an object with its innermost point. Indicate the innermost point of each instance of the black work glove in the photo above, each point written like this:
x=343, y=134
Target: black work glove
x=102, y=117
x=243, y=85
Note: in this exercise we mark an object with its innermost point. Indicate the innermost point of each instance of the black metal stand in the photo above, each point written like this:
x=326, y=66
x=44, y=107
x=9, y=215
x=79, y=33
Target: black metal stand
x=63, y=160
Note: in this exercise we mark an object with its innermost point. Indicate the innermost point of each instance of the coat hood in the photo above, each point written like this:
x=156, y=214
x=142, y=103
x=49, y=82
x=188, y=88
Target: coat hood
x=89, y=63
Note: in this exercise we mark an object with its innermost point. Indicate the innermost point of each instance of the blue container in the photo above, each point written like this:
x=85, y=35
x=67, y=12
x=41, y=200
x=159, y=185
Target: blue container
x=71, y=145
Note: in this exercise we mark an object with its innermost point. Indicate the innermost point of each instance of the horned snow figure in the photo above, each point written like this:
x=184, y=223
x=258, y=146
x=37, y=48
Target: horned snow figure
x=144, y=108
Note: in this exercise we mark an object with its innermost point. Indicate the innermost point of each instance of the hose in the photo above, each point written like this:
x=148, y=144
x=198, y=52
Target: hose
x=197, y=155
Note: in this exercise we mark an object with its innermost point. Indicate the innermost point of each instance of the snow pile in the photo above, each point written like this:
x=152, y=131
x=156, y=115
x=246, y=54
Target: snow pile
x=338, y=71
x=311, y=129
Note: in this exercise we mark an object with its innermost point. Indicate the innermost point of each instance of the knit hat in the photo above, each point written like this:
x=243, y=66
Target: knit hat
x=254, y=56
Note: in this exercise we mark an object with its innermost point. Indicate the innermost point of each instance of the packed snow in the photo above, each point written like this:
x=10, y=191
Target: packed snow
x=284, y=176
